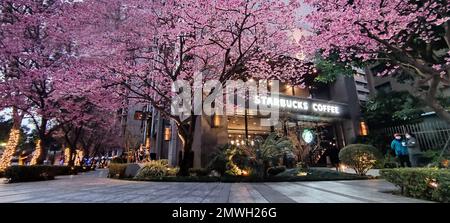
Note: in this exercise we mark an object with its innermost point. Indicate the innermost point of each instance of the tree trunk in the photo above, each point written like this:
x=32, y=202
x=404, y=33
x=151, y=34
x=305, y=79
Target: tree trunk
x=42, y=142
x=13, y=140
x=186, y=161
x=186, y=134
x=72, y=154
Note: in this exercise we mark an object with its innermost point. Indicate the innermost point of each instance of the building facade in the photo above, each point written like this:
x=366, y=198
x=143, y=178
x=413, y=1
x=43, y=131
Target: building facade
x=322, y=116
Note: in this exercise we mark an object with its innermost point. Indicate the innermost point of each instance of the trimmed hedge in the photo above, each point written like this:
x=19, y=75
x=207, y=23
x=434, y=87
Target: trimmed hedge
x=424, y=183
x=287, y=176
x=200, y=172
x=29, y=173
x=63, y=170
x=117, y=170
x=273, y=171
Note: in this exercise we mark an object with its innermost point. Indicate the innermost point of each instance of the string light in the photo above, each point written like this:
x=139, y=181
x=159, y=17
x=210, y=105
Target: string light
x=10, y=149
x=37, y=153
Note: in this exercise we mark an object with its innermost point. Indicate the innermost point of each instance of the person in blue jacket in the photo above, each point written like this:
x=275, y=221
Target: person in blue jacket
x=401, y=151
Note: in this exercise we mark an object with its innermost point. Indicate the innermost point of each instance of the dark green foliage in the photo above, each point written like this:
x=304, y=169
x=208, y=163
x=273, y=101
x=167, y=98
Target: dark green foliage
x=199, y=172
x=272, y=171
x=286, y=176
x=424, y=183
x=64, y=170
x=218, y=161
x=392, y=108
x=330, y=68
x=29, y=173
x=40, y=172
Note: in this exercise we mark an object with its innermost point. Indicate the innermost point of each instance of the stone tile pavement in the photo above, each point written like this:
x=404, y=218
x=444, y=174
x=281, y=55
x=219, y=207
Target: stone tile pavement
x=95, y=187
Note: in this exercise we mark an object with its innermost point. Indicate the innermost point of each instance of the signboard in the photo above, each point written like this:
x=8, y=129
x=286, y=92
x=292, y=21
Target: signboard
x=302, y=105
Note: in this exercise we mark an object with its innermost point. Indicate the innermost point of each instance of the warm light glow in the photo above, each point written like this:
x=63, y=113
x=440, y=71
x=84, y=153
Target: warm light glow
x=244, y=173
x=232, y=142
x=342, y=167
x=3, y=144
x=216, y=121
x=10, y=148
x=302, y=174
x=252, y=143
x=445, y=163
x=433, y=184
x=364, y=131
x=37, y=153
x=167, y=134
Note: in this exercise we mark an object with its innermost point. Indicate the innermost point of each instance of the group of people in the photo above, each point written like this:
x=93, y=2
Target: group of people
x=406, y=149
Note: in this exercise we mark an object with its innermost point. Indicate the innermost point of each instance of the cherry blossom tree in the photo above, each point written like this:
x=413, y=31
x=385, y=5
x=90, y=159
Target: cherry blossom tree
x=31, y=51
x=411, y=37
x=44, y=73
x=148, y=45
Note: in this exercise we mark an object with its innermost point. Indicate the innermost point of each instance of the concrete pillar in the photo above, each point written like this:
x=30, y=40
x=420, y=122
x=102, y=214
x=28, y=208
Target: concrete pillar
x=174, y=145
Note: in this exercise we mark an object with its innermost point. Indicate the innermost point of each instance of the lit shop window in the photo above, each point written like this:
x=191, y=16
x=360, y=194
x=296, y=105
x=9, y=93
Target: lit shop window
x=364, y=131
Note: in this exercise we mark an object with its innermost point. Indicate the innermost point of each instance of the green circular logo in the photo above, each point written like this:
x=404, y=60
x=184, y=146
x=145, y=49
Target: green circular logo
x=308, y=136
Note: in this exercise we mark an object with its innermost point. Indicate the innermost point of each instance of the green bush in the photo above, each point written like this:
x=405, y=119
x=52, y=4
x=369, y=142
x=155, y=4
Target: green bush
x=199, y=172
x=272, y=171
x=164, y=162
x=218, y=160
x=64, y=170
x=172, y=171
x=117, y=170
x=425, y=183
x=29, y=173
x=154, y=168
x=359, y=157
x=82, y=169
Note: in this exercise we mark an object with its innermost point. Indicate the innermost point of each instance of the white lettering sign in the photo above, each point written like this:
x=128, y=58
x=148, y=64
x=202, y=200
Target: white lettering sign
x=297, y=104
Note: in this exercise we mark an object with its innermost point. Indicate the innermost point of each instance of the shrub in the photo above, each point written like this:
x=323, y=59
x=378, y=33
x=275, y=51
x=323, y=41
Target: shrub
x=359, y=157
x=117, y=170
x=154, y=168
x=29, y=173
x=82, y=169
x=218, y=160
x=272, y=171
x=425, y=183
x=164, y=162
x=64, y=170
x=172, y=171
x=199, y=172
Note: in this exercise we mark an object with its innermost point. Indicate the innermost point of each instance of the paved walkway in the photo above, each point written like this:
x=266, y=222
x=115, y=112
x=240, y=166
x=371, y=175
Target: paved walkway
x=95, y=187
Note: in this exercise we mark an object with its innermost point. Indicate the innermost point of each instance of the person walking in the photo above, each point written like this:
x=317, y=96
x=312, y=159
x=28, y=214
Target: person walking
x=401, y=151
x=413, y=149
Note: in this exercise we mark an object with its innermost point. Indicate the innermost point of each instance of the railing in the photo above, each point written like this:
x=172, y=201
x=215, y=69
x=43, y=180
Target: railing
x=430, y=134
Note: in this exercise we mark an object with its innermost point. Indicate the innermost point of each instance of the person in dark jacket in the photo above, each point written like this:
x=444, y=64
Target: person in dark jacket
x=401, y=151
x=413, y=149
